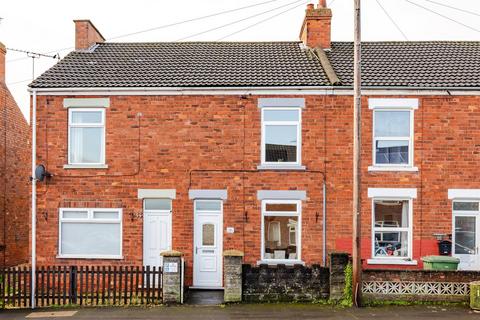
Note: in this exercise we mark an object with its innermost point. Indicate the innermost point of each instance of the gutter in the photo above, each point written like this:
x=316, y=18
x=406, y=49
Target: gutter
x=287, y=90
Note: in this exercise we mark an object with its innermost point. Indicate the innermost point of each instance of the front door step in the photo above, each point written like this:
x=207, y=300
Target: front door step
x=204, y=297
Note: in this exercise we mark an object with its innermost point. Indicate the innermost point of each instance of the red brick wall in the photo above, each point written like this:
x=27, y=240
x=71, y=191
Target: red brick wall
x=182, y=133
x=14, y=185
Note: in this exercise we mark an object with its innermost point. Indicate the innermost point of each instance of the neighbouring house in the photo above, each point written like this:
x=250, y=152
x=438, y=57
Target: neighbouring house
x=202, y=147
x=14, y=176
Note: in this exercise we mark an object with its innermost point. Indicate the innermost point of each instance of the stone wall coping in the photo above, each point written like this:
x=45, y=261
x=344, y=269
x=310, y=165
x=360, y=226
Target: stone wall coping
x=171, y=253
x=233, y=253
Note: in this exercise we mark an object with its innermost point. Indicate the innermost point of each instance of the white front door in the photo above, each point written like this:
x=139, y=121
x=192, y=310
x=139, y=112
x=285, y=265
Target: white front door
x=208, y=244
x=466, y=241
x=157, y=236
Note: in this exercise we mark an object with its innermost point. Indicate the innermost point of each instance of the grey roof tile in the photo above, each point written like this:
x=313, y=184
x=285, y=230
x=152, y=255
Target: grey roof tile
x=260, y=64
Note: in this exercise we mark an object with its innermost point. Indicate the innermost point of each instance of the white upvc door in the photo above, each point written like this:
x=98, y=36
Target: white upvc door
x=466, y=240
x=157, y=236
x=208, y=244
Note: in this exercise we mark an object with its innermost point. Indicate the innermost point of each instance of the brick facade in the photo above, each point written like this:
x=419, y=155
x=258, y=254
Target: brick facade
x=176, y=135
x=14, y=183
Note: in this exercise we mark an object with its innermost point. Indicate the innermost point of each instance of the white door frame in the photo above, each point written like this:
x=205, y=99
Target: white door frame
x=219, y=235
x=167, y=213
x=476, y=256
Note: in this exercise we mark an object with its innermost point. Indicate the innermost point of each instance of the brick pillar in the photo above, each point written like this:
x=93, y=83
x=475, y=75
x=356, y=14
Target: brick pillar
x=232, y=275
x=338, y=262
x=172, y=277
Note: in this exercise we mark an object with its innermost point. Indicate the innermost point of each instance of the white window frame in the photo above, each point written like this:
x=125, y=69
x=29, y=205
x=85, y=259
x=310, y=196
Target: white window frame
x=86, y=125
x=404, y=105
x=298, y=214
x=89, y=219
x=298, y=123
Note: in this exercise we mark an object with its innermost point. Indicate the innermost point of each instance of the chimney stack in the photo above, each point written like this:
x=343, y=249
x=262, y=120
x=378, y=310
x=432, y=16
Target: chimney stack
x=3, y=52
x=86, y=34
x=316, y=28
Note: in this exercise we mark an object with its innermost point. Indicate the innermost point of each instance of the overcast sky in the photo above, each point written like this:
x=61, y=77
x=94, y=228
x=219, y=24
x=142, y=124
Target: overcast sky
x=46, y=25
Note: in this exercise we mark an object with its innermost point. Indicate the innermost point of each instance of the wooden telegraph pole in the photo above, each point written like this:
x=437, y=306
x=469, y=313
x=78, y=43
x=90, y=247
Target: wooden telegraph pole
x=357, y=111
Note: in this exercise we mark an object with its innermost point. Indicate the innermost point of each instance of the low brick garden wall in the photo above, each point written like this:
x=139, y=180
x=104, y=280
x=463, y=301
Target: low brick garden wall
x=298, y=283
x=417, y=285
x=285, y=284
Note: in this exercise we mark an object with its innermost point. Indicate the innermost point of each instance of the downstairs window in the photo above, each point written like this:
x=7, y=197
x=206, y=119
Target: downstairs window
x=90, y=233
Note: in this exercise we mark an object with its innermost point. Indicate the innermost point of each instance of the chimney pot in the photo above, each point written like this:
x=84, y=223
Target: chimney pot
x=86, y=34
x=316, y=28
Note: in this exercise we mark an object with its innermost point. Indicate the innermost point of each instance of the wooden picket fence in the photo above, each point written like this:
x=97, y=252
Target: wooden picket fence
x=72, y=285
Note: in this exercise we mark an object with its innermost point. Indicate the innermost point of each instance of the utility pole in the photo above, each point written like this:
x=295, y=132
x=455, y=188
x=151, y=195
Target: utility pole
x=357, y=116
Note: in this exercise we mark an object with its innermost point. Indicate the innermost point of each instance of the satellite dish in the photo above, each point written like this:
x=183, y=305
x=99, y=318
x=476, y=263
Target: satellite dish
x=41, y=173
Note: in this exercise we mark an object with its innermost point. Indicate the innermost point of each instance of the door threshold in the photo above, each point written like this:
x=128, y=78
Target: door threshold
x=205, y=288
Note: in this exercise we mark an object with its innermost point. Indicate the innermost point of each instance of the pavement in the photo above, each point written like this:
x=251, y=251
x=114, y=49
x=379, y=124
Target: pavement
x=247, y=311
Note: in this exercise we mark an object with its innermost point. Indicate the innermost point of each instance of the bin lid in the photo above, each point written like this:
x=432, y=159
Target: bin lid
x=440, y=259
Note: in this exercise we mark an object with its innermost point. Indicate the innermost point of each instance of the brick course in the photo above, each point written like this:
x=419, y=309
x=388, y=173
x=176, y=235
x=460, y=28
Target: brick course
x=178, y=134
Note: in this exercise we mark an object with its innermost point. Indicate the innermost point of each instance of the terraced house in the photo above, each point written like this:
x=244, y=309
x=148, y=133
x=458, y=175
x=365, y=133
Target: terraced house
x=202, y=147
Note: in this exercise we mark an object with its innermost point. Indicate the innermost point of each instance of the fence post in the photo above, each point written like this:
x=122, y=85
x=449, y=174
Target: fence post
x=232, y=275
x=172, y=277
x=72, y=294
x=338, y=262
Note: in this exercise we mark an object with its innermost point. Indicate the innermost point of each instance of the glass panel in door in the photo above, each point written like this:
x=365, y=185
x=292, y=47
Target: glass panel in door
x=466, y=242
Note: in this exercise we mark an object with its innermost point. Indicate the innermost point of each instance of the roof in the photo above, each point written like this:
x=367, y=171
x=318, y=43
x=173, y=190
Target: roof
x=187, y=64
x=410, y=64
x=443, y=64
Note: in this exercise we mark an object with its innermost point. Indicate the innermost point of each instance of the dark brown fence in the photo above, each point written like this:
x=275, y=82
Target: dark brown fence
x=72, y=285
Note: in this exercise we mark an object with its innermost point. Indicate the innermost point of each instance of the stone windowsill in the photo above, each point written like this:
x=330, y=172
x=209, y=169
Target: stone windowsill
x=392, y=169
x=392, y=262
x=281, y=167
x=277, y=262
x=85, y=166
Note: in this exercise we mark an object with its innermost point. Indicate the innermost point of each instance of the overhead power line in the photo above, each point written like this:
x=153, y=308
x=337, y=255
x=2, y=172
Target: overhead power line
x=191, y=20
x=444, y=16
x=391, y=20
x=240, y=20
x=262, y=21
x=166, y=25
x=454, y=8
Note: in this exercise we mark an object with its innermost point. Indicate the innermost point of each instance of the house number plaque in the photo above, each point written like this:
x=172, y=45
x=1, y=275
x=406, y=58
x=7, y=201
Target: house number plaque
x=171, y=267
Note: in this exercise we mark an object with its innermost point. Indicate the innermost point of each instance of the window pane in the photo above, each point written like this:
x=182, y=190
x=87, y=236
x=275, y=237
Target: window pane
x=391, y=152
x=465, y=206
x=279, y=234
x=208, y=205
x=281, y=207
x=79, y=117
x=391, y=214
x=90, y=238
x=105, y=215
x=86, y=145
x=280, y=143
x=208, y=234
x=392, y=123
x=75, y=214
x=281, y=115
x=465, y=235
x=394, y=244
x=158, y=204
